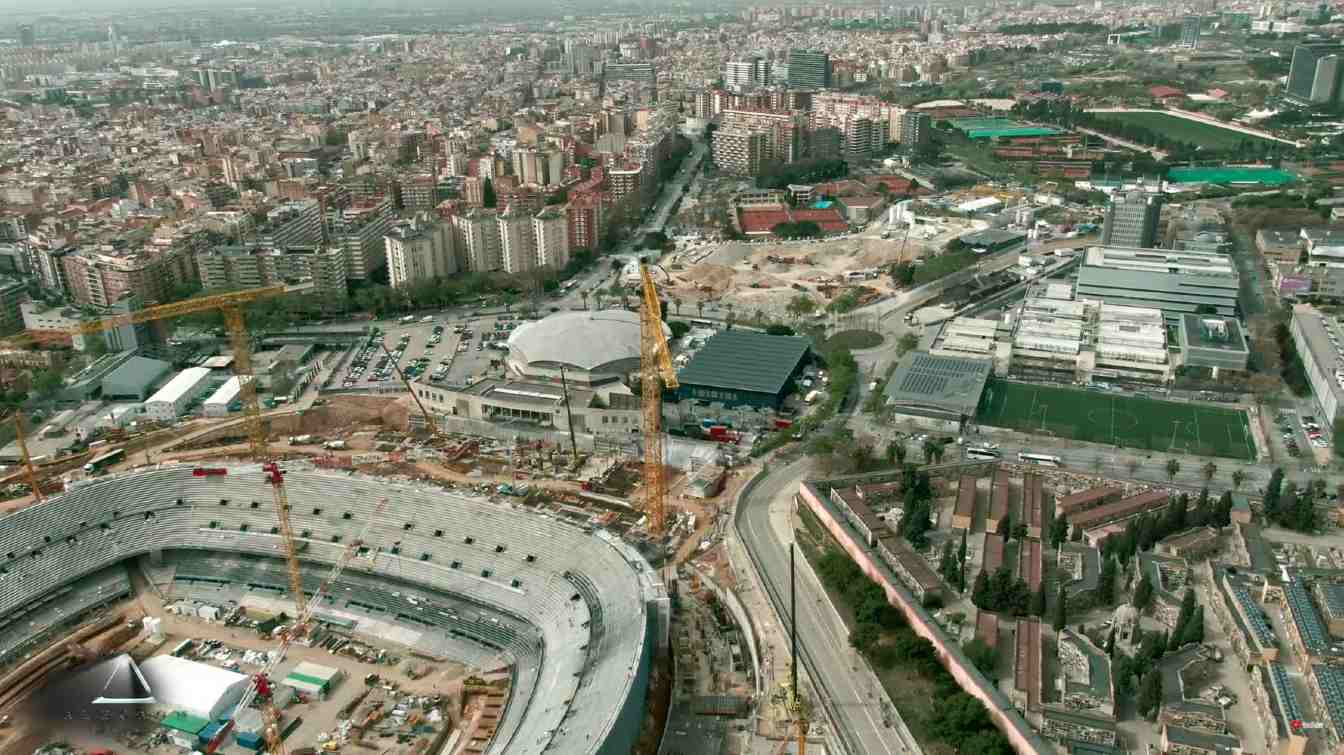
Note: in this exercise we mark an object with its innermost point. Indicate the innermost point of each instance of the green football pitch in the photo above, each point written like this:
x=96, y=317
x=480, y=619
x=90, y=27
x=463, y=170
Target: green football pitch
x=1117, y=419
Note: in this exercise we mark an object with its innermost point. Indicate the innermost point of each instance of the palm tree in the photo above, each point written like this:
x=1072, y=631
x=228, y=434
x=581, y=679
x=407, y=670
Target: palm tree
x=1210, y=470
x=1173, y=468
x=930, y=449
x=584, y=295
x=598, y=297
x=676, y=306
x=1238, y=477
x=700, y=308
x=1133, y=465
x=729, y=318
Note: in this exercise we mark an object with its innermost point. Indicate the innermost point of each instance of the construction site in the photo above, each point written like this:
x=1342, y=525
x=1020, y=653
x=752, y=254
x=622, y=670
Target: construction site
x=322, y=632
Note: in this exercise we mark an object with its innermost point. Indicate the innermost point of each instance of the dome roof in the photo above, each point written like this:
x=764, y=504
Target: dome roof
x=584, y=340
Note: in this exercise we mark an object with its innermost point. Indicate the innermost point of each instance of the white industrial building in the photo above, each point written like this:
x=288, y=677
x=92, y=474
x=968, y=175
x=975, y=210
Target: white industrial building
x=170, y=400
x=1048, y=341
x=1082, y=341
x=1131, y=344
x=199, y=689
x=967, y=336
x=976, y=338
x=218, y=403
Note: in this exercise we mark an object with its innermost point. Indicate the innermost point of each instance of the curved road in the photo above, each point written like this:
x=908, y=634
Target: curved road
x=853, y=694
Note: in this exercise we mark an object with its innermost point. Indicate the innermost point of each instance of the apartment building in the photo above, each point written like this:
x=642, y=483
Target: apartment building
x=518, y=249
x=809, y=69
x=786, y=129
x=12, y=293
x=541, y=167
x=478, y=238
x=101, y=277
x=233, y=266
x=358, y=232
x=741, y=152
x=550, y=231
x=916, y=128
x=626, y=185
x=584, y=215
x=418, y=250
x=297, y=222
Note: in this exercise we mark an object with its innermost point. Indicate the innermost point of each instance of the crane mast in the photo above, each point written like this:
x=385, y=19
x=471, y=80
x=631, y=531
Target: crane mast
x=656, y=371
x=230, y=306
x=30, y=474
x=261, y=681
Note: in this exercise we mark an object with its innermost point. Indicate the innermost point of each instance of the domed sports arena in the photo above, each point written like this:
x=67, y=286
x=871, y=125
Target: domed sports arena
x=574, y=613
x=594, y=347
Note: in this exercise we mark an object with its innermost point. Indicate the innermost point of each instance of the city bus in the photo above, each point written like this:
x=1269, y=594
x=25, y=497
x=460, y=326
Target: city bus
x=987, y=454
x=1044, y=460
x=99, y=463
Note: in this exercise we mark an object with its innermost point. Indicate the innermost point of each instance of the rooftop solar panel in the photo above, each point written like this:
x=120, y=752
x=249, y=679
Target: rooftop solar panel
x=1334, y=598
x=1263, y=633
x=1283, y=690
x=1308, y=622
x=1331, y=682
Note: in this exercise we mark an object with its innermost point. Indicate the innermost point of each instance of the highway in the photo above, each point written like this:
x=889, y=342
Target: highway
x=851, y=692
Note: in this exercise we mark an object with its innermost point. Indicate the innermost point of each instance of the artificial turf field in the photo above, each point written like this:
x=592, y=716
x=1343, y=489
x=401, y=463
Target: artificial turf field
x=1117, y=419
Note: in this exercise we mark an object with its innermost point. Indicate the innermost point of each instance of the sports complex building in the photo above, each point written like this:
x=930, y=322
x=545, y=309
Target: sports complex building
x=744, y=368
x=1176, y=282
x=574, y=612
x=937, y=391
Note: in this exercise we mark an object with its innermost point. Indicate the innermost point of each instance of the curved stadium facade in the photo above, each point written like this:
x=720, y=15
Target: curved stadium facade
x=577, y=614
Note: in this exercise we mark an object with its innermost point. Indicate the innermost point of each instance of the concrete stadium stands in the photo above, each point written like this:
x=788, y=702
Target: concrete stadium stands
x=595, y=609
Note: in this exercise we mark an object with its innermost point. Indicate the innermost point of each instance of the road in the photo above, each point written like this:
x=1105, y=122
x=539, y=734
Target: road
x=603, y=274
x=1154, y=151
x=851, y=690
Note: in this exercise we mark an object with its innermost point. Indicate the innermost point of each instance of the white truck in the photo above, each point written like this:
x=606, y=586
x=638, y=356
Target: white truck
x=299, y=440
x=334, y=445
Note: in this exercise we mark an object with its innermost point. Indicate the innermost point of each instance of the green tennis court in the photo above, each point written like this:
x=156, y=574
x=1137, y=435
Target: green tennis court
x=1230, y=175
x=1117, y=419
x=990, y=128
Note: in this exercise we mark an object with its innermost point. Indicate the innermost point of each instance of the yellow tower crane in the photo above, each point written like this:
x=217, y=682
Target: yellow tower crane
x=655, y=362
x=30, y=473
x=230, y=305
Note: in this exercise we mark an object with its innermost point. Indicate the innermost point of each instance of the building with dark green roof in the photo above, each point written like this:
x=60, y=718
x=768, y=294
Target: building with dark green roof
x=744, y=368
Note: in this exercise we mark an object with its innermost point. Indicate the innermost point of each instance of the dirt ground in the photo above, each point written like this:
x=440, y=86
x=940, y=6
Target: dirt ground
x=742, y=274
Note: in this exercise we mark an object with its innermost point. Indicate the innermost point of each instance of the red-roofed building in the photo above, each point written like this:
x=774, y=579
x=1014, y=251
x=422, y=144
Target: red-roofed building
x=1161, y=92
x=987, y=628
x=1026, y=693
x=993, y=555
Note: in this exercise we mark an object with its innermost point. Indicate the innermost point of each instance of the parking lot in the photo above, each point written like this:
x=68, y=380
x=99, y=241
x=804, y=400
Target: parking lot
x=1302, y=436
x=450, y=351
